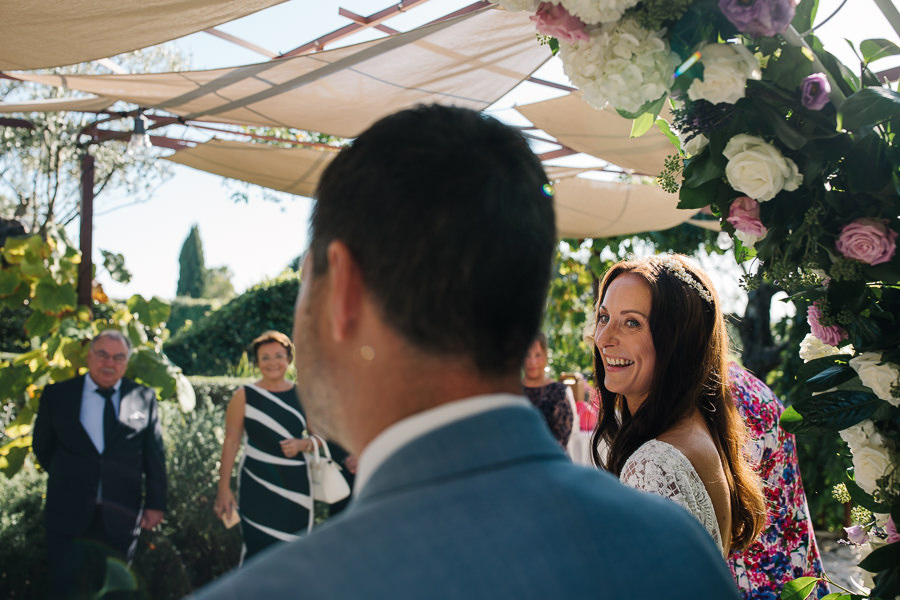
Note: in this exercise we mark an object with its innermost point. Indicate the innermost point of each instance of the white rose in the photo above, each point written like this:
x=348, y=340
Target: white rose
x=812, y=348
x=880, y=378
x=695, y=145
x=758, y=168
x=747, y=238
x=870, y=463
x=871, y=456
x=726, y=69
x=518, y=5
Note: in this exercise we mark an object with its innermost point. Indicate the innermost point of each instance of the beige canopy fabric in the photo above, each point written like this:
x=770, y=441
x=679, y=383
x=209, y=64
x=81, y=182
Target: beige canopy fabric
x=53, y=33
x=584, y=207
x=600, y=133
x=90, y=104
x=593, y=208
x=470, y=61
x=292, y=170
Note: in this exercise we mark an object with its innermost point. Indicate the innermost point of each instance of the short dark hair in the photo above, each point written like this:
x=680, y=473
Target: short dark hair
x=268, y=337
x=450, y=217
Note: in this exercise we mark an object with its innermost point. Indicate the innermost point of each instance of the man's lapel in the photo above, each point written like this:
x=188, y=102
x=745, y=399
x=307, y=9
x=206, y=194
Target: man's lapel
x=490, y=440
x=73, y=411
x=129, y=402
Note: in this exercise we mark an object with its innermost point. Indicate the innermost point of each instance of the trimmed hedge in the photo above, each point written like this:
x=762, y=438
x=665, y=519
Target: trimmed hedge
x=215, y=342
x=187, y=311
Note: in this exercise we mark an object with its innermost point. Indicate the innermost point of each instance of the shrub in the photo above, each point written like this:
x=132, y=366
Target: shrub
x=23, y=567
x=216, y=342
x=186, y=311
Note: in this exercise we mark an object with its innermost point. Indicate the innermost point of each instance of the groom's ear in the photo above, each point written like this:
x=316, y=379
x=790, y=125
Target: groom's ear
x=346, y=291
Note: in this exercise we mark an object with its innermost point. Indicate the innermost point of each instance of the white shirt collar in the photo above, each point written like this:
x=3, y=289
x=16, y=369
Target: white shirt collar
x=406, y=430
x=91, y=386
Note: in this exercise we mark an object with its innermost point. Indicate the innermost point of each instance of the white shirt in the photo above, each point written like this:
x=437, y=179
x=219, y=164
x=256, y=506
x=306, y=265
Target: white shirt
x=92, y=406
x=406, y=430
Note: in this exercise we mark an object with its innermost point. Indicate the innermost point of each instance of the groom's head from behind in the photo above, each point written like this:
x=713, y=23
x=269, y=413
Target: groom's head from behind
x=431, y=244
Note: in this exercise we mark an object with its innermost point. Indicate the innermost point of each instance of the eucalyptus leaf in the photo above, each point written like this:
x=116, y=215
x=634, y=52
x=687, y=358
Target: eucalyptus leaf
x=829, y=378
x=833, y=411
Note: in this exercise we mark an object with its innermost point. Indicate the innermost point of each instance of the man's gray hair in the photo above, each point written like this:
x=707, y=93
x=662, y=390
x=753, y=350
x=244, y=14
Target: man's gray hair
x=114, y=334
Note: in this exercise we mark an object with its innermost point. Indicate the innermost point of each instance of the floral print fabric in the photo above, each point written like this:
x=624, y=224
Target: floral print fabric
x=786, y=549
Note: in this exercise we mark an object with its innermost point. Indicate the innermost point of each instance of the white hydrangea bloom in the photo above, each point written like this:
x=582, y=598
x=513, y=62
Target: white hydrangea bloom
x=879, y=378
x=594, y=12
x=726, y=69
x=518, y=5
x=622, y=64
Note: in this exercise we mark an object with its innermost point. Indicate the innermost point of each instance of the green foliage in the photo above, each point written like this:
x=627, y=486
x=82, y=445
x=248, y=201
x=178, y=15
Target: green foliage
x=40, y=273
x=190, y=548
x=217, y=283
x=23, y=570
x=217, y=341
x=192, y=273
x=186, y=311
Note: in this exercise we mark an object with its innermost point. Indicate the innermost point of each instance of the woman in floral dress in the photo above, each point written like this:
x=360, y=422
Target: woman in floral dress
x=786, y=549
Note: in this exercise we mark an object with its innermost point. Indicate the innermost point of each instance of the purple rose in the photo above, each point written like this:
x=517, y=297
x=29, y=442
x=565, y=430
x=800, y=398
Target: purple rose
x=867, y=240
x=744, y=217
x=814, y=91
x=555, y=21
x=856, y=535
x=831, y=335
x=759, y=17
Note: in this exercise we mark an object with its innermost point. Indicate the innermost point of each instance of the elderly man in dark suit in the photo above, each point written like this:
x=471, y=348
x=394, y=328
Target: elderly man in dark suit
x=99, y=438
x=432, y=242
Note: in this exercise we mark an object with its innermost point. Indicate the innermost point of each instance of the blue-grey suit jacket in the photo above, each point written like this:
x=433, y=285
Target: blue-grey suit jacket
x=490, y=507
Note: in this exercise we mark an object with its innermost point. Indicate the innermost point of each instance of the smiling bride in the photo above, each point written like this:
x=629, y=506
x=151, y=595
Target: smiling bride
x=666, y=412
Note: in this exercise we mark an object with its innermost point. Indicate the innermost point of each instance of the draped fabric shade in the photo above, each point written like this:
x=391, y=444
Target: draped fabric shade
x=471, y=61
x=53, y=33
x=292, y=170
x=89, y=103
x=600, y=133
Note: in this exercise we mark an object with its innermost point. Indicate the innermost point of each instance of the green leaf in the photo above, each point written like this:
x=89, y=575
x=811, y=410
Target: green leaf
x=791, y=420
x=12, y=455
x=651, y=106
x=642, y=125
x=701, y=169
x=667, y=131
x=833, y=411
x=16, y=248
x=882, y=558
x=9, y=282
x=40, y=324
x=869, y=106
x=152, y=313
x=53, y=298
x=799, y=589
x=873, y=50
x=831, y=377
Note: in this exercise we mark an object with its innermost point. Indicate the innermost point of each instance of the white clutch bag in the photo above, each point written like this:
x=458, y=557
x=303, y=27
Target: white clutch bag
x=328, y=485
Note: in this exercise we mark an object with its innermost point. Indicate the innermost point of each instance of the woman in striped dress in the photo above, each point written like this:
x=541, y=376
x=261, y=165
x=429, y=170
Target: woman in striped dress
x=273, y=483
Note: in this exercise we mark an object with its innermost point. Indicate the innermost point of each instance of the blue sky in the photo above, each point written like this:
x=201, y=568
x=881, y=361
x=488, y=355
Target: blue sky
x=258, y=239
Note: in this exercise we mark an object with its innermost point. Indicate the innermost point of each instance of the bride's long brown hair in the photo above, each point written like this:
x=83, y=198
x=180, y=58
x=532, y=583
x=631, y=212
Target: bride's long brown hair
x=691, y=346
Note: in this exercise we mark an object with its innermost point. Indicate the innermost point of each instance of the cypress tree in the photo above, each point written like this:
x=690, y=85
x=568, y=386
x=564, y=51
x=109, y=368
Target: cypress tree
x=192, y=274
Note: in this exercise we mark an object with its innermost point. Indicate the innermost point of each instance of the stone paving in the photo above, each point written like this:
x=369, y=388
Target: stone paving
x=839, y=562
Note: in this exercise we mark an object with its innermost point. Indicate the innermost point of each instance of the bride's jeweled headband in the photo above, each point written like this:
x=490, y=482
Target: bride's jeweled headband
x=677, y=270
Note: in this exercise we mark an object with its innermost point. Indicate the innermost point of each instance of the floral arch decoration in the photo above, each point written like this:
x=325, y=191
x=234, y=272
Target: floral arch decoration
x=799, y=157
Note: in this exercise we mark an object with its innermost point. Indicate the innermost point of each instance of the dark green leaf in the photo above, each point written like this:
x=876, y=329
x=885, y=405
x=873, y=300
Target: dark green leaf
x=651, y=106
x=9, y=282
x=151, y=313
x=869, y=106
x=882, y=558
x=830, y=377
x=699, y=170
x=833, y=411
x=799, y=589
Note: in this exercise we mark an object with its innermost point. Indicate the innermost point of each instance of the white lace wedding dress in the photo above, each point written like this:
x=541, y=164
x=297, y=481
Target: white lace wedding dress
x=662, y=469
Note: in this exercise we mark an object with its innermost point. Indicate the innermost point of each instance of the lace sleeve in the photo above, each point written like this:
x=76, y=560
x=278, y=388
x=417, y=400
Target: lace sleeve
x=661, y=469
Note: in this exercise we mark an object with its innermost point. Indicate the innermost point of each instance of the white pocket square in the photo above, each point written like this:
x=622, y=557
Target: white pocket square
x=136, y=415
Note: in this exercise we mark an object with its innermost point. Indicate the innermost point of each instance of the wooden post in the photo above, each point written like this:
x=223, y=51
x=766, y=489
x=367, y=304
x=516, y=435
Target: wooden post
x=85, y=269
